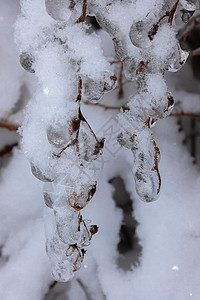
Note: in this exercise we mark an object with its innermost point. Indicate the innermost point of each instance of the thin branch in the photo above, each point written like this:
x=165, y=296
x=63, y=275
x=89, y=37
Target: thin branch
x=7, y=149
x=9, y=126
x=172, y=12
x=192, y=54
x=83, y=16
x=53, y=284
x=106, y=107
x=64, y=148
x=121, y=92
x=189, y=115
x=79, y=96
x=115, y=62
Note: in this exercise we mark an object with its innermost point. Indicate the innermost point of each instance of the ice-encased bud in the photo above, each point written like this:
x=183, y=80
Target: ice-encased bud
x=26, y=61
x=57, y=137
x=189, y=4
x=177, y=60
x=139, y=34
x=130, y=66
x=95, y=90
x=58, y=9
x=39, y=175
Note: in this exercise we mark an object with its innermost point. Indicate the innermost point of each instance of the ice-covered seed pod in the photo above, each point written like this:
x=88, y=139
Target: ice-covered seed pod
x=27, y=60
x=79, y=201
x=59, y=9
x=39, y=174
x=57, y=137
x=94, y=90
x=139, y=34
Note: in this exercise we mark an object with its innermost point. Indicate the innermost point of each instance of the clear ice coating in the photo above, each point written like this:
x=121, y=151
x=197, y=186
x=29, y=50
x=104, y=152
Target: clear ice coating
x=26, y=61
x=58, y=137
x=61, y=270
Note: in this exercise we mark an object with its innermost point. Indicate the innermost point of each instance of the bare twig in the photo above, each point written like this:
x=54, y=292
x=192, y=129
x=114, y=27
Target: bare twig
x=121, y=92
x=115, y=62
x=172, y=12
x=9, y=126
x=192, y=54
x=53, y=284
x=79, y=96
x=83, y=16
x=106, y=107
x=7, y=149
